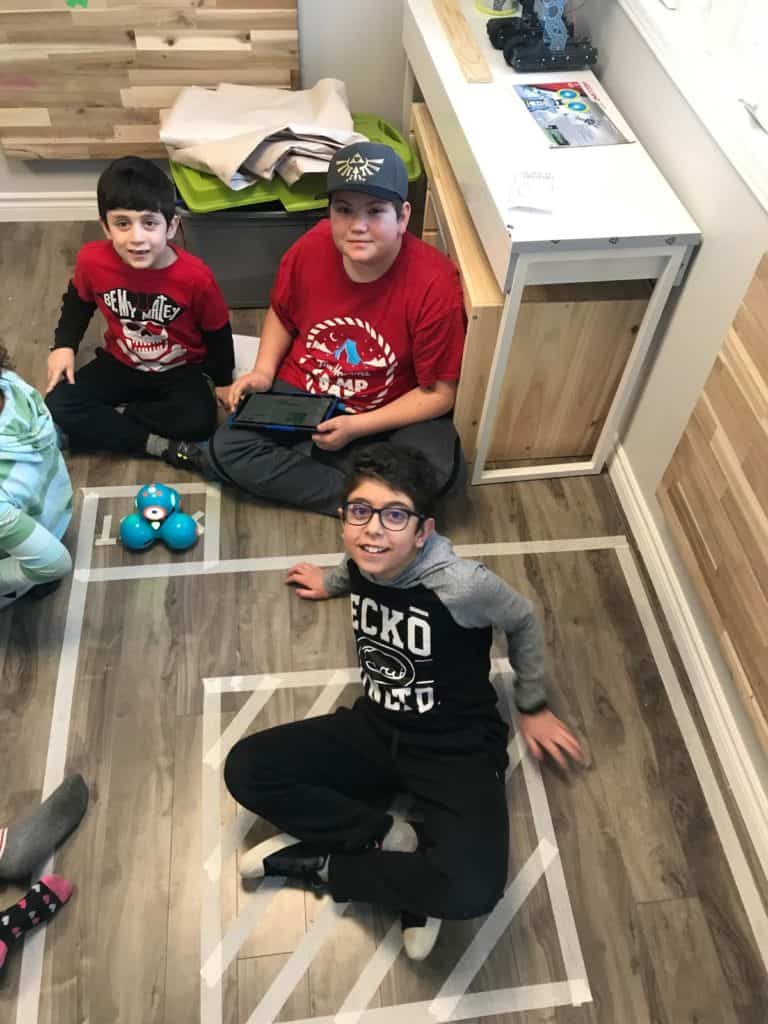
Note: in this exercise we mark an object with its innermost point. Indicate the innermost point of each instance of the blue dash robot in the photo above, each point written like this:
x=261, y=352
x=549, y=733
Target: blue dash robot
x=158, y=516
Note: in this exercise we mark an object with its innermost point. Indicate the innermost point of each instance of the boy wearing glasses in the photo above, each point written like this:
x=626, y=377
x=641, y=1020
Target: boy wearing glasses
x=427, y=723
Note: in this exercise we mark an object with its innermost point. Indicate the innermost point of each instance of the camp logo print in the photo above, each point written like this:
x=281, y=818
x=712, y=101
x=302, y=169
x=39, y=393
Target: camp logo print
x=357, y=168
x=347, y=357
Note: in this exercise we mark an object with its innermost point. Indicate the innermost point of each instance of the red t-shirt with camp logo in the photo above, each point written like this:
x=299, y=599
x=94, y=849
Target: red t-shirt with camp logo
x=155, y=318
x=368, y=343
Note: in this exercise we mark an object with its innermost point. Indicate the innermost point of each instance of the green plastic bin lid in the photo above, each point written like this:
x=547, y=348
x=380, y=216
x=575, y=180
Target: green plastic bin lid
x=205, y=193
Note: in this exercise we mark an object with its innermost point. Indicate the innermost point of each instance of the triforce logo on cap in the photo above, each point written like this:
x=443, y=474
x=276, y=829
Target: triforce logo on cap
x=358, y=168
x=369, y=167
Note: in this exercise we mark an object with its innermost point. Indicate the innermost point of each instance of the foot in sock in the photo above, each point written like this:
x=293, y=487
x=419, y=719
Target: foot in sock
x=303, y=861
x=156, y=445
x=419, y=934
x=184, y=455
x=39, y=905
x=26, y=845
x=401, y=838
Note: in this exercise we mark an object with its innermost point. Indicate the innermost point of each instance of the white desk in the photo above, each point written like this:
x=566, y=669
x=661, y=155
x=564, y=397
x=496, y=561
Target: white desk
x=614, y=216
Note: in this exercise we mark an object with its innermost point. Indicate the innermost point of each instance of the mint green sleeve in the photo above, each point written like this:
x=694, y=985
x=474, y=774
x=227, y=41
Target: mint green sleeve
x=15, y=526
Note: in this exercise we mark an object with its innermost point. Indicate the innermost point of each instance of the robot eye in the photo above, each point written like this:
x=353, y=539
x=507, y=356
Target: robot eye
x=154, y=512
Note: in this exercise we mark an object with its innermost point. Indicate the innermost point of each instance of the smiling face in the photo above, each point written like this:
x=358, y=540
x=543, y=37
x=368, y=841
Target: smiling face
x=140, y=237
x=367, y=232
x=379, y=552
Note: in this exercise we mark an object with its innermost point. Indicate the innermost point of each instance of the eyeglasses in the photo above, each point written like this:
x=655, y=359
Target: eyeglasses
x=392, y=517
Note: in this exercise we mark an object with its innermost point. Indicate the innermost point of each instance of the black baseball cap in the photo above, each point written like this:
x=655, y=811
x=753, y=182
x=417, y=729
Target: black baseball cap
x=369, y=167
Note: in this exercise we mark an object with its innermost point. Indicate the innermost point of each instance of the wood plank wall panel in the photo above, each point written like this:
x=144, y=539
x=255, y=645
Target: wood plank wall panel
x=91, y=80
x=715, y=496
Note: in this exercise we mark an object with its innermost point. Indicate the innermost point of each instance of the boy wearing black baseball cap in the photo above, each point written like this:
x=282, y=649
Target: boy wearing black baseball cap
x=362, y=310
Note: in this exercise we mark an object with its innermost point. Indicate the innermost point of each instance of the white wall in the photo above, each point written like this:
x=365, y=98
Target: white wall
x=40, y=176
x=358, y=42
x=734, y=228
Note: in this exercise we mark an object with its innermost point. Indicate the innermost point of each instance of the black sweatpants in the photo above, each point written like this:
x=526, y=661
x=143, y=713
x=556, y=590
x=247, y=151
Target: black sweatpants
x=175, y=403
x=321, y=779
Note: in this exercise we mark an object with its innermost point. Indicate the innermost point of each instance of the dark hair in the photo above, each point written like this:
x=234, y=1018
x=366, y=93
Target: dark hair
x=402, y=468
x=5, y=359
x=133, y=183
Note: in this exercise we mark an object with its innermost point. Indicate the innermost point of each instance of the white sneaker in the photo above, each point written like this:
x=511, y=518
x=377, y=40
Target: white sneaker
x=419, y=935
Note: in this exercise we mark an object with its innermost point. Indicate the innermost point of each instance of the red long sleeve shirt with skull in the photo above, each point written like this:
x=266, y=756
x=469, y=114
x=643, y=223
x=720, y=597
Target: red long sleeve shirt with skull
x=156, y=320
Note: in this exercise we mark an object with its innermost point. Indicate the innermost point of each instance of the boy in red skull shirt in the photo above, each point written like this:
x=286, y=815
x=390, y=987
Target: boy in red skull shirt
x=168, y=351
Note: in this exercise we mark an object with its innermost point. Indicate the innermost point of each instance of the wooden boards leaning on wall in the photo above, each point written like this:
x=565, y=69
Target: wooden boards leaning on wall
x=88, y=78
x=571, y=341
x=715, y=497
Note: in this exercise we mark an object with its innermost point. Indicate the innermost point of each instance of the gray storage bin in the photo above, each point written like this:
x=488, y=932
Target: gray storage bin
x=243, y=247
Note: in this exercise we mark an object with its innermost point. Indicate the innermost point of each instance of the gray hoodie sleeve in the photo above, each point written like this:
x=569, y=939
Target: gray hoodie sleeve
x=336, y=579
x=476, y=598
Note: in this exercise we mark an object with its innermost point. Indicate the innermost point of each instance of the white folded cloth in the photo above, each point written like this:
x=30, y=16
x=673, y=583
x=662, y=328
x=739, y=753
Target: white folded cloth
x=237, y=131
x=264, y=160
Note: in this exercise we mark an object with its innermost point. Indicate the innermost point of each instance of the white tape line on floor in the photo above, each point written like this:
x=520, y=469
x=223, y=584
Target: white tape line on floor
x=491, y=930
x=281, y=988
x=30, y=982
x=371, y=977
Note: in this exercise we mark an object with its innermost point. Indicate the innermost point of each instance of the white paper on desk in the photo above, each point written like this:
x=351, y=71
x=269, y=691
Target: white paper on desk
x=532, y=190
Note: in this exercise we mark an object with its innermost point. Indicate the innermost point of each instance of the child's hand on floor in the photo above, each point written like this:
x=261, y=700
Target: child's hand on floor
x=308, y=580
x=544, y=732
x=61, y=366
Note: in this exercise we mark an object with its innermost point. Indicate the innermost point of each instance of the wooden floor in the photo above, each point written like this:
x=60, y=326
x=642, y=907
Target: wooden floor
x=659, y=924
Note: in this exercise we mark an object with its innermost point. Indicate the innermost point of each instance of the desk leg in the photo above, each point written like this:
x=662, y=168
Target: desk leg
x=674, y=256
x=645, y=333
x=498, y=366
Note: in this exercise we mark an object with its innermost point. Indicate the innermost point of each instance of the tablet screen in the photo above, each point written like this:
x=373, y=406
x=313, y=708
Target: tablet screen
x=299, y=412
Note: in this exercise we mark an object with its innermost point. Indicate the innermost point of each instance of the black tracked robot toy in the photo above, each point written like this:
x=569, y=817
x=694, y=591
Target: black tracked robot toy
x=541, y=42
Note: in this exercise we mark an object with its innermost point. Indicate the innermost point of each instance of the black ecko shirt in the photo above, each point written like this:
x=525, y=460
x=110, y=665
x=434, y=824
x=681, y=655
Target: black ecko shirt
x=419, y=667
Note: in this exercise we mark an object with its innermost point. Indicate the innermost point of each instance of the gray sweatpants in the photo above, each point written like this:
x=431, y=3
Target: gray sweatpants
x=291, y=470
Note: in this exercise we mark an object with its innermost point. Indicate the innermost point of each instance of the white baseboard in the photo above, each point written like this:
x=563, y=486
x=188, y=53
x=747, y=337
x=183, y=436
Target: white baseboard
x=45, y=206
x=737, y=762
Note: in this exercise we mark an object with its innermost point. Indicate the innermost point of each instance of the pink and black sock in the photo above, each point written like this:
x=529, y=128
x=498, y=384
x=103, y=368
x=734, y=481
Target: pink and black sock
x=39, y=905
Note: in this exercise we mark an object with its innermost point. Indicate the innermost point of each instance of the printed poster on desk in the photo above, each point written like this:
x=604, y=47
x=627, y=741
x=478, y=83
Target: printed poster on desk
x=568, y=115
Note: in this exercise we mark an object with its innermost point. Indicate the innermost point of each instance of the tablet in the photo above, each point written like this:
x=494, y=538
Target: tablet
x=269, y=411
